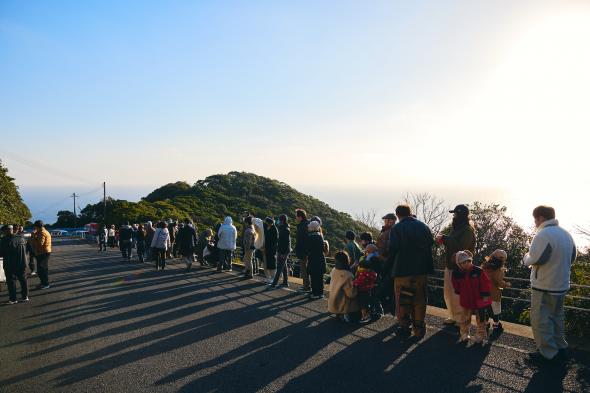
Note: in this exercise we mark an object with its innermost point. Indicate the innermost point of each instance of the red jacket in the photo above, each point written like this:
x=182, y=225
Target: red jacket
x=472, y=286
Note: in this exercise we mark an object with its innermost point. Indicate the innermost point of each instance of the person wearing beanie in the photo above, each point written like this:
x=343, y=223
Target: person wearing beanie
x=317, y=259
x=473, y=287
x=461, y=237
x=283, y=251
x=493, y=266
x=271, y=236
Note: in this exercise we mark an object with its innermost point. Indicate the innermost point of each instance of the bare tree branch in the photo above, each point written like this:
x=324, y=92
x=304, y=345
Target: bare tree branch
x=431, y=210
x=369, y=218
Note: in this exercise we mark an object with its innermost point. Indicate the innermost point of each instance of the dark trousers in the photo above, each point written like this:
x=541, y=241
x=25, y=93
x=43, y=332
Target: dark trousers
x=281, y=269
x=43, y=268
x=126, y=249
x=140, y=250
x=317, y=282
x=102, y=245
x=32, y=262
x=224, y=260
x=11, y=277
x=160, y=254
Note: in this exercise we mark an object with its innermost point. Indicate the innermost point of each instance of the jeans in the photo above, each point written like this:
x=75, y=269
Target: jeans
x=126, y=249
x=43, y=268
x=224, y=259
x=248, y=262
x=160, y=256
x=303, y=273
x=281, y=269
x=11, y=277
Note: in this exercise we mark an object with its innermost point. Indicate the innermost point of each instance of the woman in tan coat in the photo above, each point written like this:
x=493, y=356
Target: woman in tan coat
x=343, y=293
x=494, y=268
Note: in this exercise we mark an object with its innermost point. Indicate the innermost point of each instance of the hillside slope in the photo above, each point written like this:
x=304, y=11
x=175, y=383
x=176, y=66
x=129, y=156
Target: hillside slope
x=217, y=196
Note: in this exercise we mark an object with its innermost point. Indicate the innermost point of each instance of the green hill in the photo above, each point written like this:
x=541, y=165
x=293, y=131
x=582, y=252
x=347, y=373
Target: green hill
x=208, y=201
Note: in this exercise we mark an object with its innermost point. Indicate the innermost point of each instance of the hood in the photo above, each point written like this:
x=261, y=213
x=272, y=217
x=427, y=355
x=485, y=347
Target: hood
x=549, y=223
x=228, y=221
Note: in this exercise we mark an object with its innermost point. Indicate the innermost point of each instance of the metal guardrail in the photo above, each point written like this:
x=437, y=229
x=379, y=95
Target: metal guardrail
x=294, y=266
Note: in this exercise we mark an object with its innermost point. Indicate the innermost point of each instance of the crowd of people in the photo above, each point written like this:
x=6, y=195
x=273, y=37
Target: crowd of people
x=370, y=277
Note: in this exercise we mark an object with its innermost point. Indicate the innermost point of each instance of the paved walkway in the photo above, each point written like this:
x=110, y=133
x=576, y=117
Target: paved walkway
x=111, y=326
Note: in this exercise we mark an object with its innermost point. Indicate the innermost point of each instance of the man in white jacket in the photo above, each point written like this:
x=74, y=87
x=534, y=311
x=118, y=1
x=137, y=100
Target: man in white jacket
x=550, y=257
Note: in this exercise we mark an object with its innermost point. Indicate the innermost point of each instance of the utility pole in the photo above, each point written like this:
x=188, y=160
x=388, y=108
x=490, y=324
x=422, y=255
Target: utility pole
x=74, y=196
x=104, y=198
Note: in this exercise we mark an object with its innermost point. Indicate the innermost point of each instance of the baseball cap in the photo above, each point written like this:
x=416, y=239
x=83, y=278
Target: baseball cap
x=460, y=209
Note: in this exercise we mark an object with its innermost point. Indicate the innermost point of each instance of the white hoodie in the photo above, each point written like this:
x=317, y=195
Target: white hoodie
x=161, y=239
x=227, y=235
x=551, y=256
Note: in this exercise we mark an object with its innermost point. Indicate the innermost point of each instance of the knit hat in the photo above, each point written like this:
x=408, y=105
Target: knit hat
x=316, y=219
x=500, y=254
x=313, y=226
x=463, y=256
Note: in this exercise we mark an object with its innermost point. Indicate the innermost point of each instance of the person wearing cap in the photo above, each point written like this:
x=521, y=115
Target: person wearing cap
x=389, y=221
x=473, y=287
x=461, y=237
x=13, y=250
x=550, y=258
x=301, y=238
x=283, y=251
x=41, y=239
x=494, y=268
x=271, y=235
x=410, y=261
x=317, y=259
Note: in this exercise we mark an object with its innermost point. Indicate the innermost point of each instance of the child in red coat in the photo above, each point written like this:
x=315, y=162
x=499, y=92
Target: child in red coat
x=473, y=287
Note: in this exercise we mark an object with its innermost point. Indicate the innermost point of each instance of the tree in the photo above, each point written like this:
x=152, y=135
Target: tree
x=429, y=209
x=12, y=208
x=369, y=218
x=65, y=219
x=494, y=230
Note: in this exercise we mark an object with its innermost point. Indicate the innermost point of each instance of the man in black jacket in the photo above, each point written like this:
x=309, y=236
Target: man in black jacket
x=186, y=242
x=410, y=259
x=301, y=237
x=283, y=251
x=13, y=250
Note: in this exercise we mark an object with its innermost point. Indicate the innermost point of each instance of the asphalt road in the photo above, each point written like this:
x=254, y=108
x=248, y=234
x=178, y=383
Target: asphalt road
x=111, y=326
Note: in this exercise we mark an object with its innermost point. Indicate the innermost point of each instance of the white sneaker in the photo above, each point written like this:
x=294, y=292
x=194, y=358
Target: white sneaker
x=463, y=338
x=46, y=287
x=12, y=302
x=25, y=299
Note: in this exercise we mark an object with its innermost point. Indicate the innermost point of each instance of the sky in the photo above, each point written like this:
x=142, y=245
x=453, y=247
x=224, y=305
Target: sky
x=353, y=102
